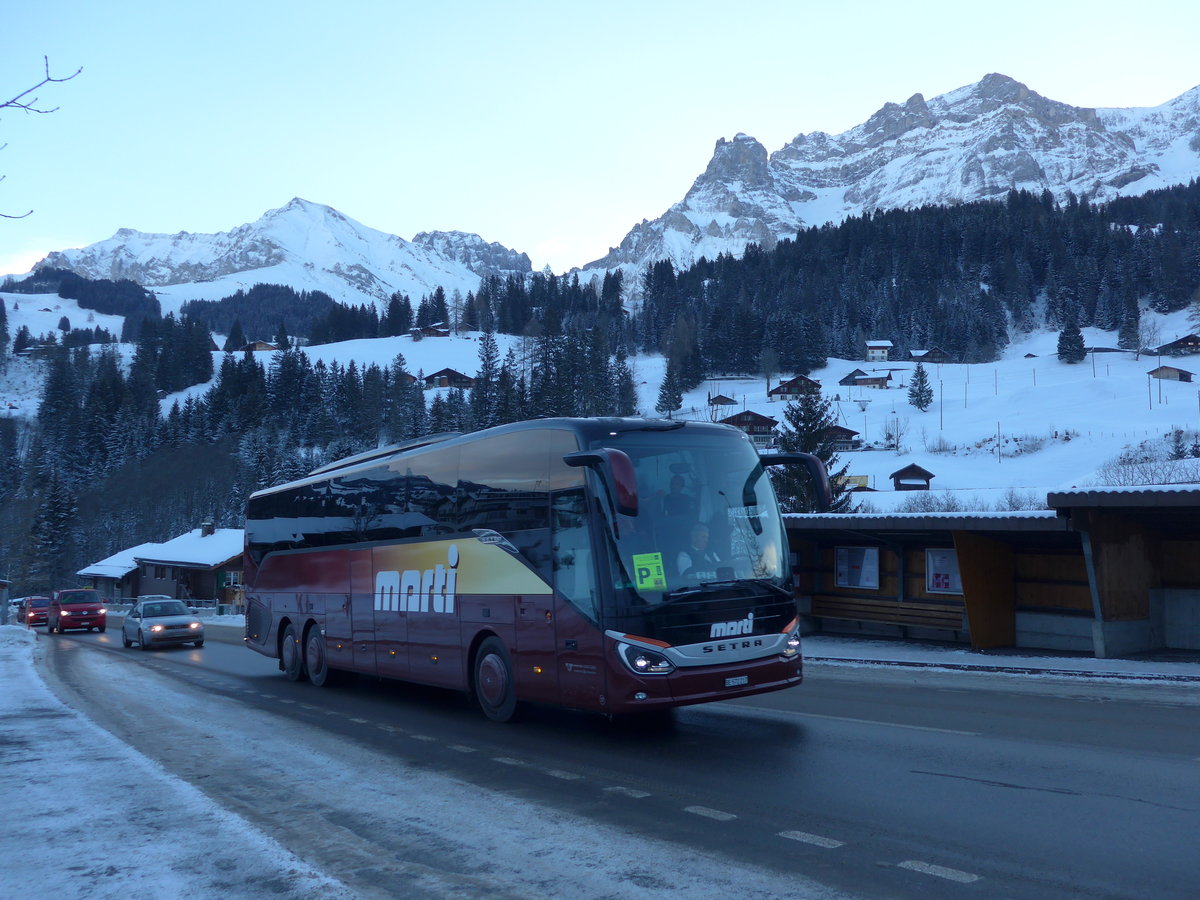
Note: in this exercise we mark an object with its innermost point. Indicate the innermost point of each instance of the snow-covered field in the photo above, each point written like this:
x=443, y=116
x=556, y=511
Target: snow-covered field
x=1057, y=426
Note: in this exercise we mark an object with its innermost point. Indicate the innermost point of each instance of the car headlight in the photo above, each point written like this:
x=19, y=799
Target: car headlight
x=792, y=648
x=643, y=661
x=156, y=627
x=195, y=625
x=102, y=612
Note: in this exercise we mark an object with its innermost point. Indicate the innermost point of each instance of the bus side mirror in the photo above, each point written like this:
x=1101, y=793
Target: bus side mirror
x=817, y=474
x=615, y=469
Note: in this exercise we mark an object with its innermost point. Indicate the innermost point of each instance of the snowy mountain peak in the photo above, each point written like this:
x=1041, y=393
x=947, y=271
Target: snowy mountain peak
x=306, y=245
x=974, y=143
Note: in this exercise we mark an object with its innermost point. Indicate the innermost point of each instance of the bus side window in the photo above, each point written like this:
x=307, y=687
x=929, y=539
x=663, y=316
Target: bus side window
x=574, y=568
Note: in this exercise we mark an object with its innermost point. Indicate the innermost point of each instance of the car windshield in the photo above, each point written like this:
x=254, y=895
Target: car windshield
x=39, y=603
x=164, y=608
x=78, y=597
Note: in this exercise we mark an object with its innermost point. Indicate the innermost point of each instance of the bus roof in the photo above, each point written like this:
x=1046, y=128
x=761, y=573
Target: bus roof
x=588, y=429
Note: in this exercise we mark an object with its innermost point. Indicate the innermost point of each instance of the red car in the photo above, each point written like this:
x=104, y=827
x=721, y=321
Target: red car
x=33, y=611
x=79, y=608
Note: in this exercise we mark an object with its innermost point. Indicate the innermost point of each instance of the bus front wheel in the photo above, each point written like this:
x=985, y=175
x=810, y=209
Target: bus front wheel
x=495, y=690
x=291, y=657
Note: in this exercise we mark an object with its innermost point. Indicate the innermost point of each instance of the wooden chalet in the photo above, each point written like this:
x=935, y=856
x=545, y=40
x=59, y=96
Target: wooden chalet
x=438, y=329
x=874, y=381
x=878, y=351
x=911, y=478
x=258, y=345
x=1189, y=343
x=721, y=400
x=1170, y=373
x=932, y=355
x=843, y=438
x=851, y=378
x=449, y=378
x=760, y=428
x=793, y=388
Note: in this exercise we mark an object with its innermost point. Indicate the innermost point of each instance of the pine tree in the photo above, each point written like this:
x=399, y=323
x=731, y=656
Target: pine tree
x=920, y=394
x=807, y=429
x=1071, y=348
x=237, y=339
x=485, y=393
x=627, y=398
x=670, y=395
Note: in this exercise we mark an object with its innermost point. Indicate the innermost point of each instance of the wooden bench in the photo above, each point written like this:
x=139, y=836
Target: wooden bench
x=890, y=612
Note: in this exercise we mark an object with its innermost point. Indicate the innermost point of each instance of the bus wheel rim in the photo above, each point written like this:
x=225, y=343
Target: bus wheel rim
x=493, y=679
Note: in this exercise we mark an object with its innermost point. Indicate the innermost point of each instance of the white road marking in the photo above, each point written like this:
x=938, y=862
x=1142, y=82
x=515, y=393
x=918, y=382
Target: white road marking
x=890, y=724
x=461, y=748
x=628, y=792
x=507, y=760
x=422, y=737
x=815, y=839
x=939, y=871
x=710, y=813
x=359, y=721
x=565, y=776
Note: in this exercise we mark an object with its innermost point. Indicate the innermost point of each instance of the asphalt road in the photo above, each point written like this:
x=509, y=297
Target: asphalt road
x=875, y=782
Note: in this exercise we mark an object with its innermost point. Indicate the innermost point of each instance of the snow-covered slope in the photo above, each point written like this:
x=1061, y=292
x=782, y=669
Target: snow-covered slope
x=977, y=142
x=1057, y=425
x=304, y=245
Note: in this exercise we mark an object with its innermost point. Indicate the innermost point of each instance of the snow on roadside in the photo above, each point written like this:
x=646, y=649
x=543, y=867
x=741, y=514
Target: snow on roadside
x=87, y=816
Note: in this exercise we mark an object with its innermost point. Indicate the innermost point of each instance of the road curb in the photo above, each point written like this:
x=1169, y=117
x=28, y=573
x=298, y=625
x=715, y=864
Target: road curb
x=1154, y=677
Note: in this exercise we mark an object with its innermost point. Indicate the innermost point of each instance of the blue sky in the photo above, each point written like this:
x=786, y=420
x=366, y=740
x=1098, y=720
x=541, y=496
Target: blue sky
x=549, y=127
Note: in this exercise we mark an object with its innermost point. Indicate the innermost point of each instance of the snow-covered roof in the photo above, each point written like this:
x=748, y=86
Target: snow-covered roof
x=197, y=549
x=879, y=344
x=1018, y=520
x=119, y=564
x=1137, y=495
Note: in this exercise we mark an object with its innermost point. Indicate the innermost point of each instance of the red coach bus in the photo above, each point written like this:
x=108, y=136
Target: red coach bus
x=610, y=565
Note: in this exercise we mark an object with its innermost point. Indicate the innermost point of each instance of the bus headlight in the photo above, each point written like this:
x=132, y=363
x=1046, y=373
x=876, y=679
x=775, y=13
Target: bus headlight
x=791, y=649
x=643, y=661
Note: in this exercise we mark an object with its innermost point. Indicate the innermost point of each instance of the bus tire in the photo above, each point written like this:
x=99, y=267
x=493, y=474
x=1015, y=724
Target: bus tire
x=495, y=688
x=291, y=654
x=316, y=666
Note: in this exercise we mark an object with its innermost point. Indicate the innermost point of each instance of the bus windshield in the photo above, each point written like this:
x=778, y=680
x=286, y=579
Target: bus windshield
x=707, y=517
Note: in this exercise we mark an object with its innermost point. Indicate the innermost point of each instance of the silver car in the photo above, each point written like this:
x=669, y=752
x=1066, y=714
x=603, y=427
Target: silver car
x=154, y=621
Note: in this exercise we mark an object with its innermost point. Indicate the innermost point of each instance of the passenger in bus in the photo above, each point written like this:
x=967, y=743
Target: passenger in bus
x=697, y=557
x=676, y=502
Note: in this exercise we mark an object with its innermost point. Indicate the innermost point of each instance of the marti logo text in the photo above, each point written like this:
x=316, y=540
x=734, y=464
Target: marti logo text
x=433, y=590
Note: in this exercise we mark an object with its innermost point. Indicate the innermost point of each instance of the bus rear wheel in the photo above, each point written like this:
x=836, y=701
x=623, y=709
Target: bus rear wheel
x=316, y=666
x=291, y=656
x=495, y=689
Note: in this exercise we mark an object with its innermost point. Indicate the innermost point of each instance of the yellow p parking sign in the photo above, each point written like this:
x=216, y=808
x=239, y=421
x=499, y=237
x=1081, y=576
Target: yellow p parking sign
x=649, y=574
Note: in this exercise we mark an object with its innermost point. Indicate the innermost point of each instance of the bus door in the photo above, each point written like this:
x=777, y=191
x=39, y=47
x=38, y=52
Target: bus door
x=580, y=639
x=359, y=602
x=384, y=611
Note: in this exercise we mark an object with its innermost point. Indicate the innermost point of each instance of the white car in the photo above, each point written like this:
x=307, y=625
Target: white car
x=157, y=621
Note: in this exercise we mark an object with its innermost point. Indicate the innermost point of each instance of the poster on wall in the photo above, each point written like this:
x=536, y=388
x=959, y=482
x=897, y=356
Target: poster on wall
x=858, y=567
x=941, y=571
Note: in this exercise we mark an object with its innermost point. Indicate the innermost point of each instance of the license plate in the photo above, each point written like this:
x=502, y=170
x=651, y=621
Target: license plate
x=738, y=680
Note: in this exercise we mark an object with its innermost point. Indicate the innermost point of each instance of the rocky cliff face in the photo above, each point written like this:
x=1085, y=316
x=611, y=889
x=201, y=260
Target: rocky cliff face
x=480, y=256
x=975, y=143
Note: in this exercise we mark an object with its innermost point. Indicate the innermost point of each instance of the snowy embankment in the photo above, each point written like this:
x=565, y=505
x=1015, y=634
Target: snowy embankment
x=87, y=816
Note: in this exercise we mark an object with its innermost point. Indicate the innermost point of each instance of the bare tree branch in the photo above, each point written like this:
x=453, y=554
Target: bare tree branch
x=29, y=104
